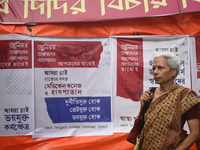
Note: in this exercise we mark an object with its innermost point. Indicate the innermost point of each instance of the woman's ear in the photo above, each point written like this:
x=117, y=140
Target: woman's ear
x=173, y=72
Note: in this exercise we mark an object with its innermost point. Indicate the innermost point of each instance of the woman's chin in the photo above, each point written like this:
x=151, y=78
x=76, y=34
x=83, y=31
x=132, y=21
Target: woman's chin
x=158, y=82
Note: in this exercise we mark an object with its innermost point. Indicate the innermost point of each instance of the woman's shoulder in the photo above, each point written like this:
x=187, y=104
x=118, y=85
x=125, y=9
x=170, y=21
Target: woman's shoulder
x=182, y=89
x=186, y=90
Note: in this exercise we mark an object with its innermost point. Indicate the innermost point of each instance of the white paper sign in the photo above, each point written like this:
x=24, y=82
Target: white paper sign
x=72, y=87
x=16, y=88
x=133, y=72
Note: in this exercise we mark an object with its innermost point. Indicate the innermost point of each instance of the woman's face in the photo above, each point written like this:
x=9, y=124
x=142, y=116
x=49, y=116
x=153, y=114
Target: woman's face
x=161, y=71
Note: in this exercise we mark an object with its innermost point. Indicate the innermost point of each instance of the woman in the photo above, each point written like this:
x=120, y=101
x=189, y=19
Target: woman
x=171, y=106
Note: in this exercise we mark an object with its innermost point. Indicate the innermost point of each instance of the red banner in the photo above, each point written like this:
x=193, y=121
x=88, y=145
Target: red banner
x=70, y=54
x=198, y=55
x=130, y=68
x=42, y=11
x=15, y=54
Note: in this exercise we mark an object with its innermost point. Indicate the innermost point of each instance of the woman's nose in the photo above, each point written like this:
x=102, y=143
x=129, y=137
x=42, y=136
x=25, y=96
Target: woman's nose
x=155, y=71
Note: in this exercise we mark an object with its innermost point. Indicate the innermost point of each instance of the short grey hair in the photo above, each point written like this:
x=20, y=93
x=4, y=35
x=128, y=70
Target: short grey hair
x=172, y=60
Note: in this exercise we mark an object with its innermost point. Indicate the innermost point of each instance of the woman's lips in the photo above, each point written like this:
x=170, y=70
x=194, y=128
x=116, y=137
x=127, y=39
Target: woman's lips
x=156, y=79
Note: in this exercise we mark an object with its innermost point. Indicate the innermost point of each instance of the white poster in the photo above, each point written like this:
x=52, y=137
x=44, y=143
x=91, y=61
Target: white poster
x=16, y=88
x=133, y=72
x=72, y=87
